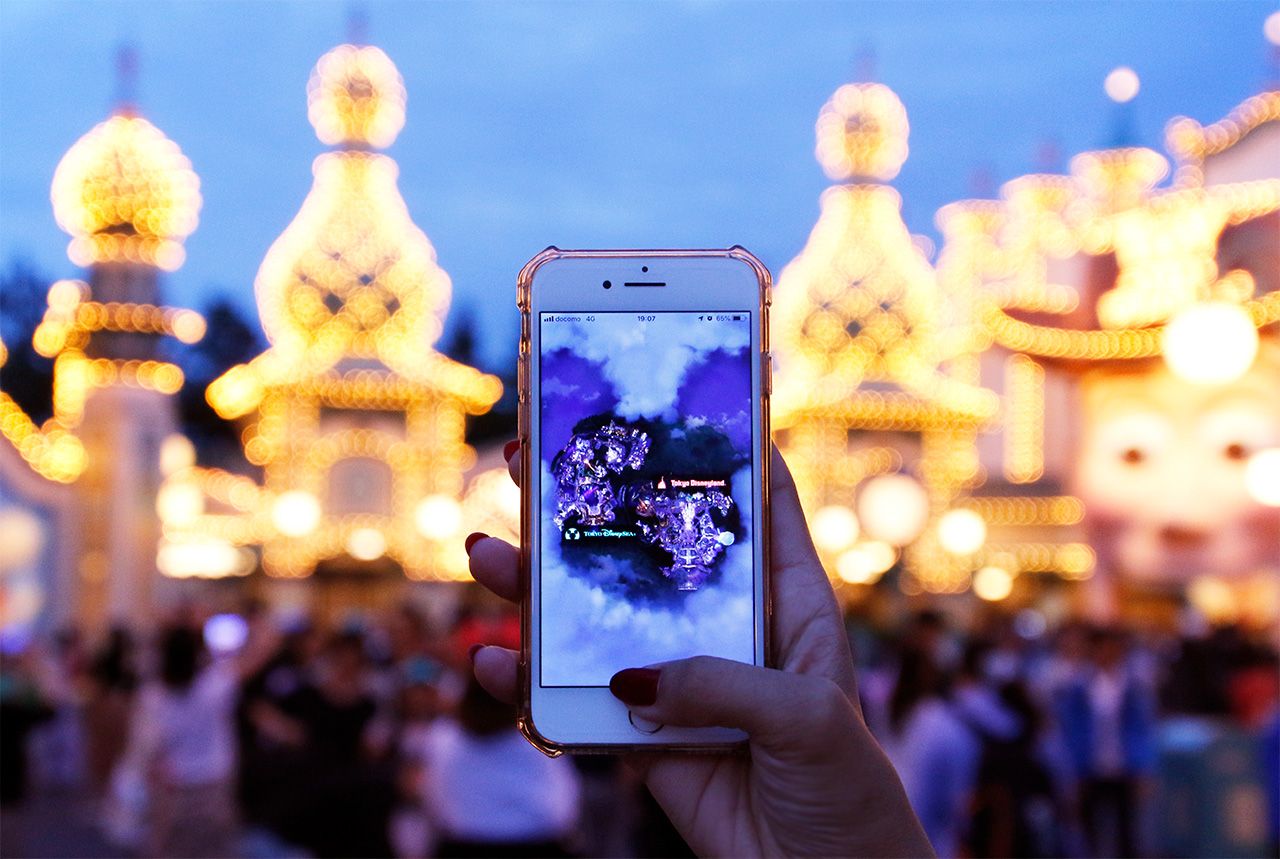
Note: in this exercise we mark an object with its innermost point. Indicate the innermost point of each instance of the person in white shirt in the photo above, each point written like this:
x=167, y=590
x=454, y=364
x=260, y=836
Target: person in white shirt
x=182, y=743
x=488, y=792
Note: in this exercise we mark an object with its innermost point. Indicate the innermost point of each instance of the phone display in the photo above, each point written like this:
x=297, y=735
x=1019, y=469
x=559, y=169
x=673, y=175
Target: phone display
x=643, y=473
x=646, y=440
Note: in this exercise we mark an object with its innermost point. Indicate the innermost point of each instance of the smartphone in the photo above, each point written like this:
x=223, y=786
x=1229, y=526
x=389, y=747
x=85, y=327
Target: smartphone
x=644, y=422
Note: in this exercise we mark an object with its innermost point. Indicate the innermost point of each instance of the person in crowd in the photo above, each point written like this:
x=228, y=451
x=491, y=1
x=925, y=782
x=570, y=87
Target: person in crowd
x=420, y=705
x=1107, y=718
x=931, y=748
x=22, y=707
x=59, y=744
x=182, y=740
x=489, y=792
x=349, y=781
x=271, y=751
x=113, y=678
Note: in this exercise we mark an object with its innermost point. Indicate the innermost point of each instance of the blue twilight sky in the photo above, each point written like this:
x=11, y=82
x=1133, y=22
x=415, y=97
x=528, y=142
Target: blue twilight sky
x=593, y=124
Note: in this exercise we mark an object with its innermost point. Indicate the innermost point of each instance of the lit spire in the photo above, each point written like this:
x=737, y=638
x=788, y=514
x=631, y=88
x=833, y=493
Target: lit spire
x=124, y=191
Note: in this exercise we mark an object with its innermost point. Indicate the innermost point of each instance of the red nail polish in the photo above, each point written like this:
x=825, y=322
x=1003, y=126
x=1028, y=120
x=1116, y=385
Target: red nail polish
x=474, y=538
x=635, y=686
x=472, y=651
x=510, y=448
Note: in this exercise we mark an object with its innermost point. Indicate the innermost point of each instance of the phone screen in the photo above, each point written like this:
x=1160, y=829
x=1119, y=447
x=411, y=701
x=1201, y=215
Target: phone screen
x=645, y=513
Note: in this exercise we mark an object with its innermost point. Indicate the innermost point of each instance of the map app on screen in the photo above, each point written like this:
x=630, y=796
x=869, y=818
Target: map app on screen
x=646, y=508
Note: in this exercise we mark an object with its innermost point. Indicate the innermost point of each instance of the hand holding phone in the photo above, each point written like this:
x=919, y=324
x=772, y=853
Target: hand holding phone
x=814, y=782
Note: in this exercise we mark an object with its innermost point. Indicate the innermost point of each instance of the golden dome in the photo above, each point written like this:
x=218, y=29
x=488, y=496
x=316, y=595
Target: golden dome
x=862, y=133
x=126, y=193
x=356, y=97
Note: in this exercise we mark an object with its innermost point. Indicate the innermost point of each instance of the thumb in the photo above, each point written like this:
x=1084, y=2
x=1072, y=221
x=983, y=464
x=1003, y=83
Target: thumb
x=773, y=707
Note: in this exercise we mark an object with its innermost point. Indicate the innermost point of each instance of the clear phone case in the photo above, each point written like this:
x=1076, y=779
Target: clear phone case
x=524, y=284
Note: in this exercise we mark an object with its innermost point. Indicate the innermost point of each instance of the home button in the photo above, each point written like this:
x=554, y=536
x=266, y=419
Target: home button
x=644, y=726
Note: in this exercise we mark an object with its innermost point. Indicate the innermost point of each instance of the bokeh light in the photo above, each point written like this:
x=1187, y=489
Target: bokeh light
x=893, y=508
x=1212, y=342
x=992, y=583
x=962, y=531
x=834, y=528
x=296, y=513
x=1122, y=84
x=366, y=544
x=1262, y=477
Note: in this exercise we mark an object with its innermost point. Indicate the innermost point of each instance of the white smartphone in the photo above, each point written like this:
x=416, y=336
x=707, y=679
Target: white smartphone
x=644, y=421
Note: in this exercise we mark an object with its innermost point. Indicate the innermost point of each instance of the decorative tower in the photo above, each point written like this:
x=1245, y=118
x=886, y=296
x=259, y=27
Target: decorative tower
x=879, y=434
x=128, y=197
x=357, y=422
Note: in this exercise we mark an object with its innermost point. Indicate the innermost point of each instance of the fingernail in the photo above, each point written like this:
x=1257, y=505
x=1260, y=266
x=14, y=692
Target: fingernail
x=635, y=686
x=510, y=447
x=472, y=651
x=474, y=538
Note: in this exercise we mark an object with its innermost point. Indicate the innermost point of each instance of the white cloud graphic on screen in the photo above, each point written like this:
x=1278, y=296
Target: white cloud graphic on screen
x=646, y=364
x=588, y=635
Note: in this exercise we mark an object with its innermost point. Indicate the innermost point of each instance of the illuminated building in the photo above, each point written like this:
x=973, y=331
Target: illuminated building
x=1130, y=327
x=357, y=422
x=874, y=405
x=128, y=198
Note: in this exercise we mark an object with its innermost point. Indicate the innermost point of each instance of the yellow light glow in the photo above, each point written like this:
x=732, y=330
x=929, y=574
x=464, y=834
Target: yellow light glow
x=1122, y=84
x=438, y=517
x=893, y=508
x=1262, y=477
x=862, y=131
x=356, y=96
x=366, y=544
x=179, y=504
x=1214, y=599
x=834, y=528
x=865, y=562
x=992, y=583
x=176, y=453
x=961, y=531
x=204, y=558
x=296, y=513
x=1210, y=343
x=126, y=193
x=351, y=298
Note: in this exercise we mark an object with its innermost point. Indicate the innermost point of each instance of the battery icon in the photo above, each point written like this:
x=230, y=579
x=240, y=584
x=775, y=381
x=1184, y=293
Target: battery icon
x=737, y=319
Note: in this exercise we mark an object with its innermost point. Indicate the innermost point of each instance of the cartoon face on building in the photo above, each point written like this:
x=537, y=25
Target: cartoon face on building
x=1161, y=469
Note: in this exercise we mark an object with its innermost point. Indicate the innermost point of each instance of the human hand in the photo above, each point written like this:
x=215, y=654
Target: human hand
x=814, y=781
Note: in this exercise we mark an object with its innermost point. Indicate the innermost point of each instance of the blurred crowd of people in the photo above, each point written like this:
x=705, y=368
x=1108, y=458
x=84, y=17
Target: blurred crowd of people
x=243, y=734
x=1082, y=742
x=239, y=734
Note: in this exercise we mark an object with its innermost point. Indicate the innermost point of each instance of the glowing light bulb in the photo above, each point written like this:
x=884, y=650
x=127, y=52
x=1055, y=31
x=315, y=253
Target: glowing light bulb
x=176, y=453
x=438, y=517
x=834, y=528
x=1212, y=342
x=296, y=513
x=893, y=508
x=179, y=504
x=1122, y=84
x=22, y=538
x=1262, y=477
x=366, y=544
x=992, y=583
x=1271, y=28
x=866, y=562
x=962, y=531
